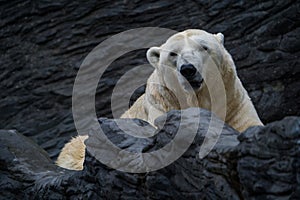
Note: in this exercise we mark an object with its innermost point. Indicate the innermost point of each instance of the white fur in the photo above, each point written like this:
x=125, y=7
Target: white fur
x=165, y=90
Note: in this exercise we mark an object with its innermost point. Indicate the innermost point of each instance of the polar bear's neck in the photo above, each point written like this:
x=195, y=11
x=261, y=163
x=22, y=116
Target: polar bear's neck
x=240, y=112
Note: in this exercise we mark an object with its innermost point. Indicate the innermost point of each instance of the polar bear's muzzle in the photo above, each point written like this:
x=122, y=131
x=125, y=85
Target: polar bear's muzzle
x=192, y=76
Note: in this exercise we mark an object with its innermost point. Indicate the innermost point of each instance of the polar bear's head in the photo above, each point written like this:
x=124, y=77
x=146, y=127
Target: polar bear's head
x=185, y=58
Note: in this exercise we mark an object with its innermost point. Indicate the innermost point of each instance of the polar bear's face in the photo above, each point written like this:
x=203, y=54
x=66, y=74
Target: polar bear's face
x=186, y=57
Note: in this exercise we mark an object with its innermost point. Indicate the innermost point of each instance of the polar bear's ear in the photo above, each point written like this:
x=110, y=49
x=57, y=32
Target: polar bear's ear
x=220, y=37
x=153, y=56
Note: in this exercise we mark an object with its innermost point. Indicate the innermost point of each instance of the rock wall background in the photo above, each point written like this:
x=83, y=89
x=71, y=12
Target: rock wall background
x=42, y=45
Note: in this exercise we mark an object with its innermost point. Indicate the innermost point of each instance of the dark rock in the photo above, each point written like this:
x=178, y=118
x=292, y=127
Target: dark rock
x=261, y=163
x=269, y=167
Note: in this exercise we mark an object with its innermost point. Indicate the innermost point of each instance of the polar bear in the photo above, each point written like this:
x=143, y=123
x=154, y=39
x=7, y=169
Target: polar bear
x=180, y=80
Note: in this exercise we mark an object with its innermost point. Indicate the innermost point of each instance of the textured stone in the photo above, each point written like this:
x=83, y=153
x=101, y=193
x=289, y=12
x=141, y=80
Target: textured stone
x=263, y=162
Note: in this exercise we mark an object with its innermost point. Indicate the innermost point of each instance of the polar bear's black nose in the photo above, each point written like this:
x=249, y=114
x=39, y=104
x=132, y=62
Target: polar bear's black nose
x=188, y=70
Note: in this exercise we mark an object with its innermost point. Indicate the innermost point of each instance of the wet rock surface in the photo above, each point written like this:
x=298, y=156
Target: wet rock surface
x=261, y=163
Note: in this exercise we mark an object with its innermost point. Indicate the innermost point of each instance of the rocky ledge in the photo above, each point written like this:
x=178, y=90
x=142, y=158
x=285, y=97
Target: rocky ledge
x=261, y=163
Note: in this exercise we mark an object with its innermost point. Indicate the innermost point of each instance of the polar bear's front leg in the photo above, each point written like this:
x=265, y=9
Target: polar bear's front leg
x=72, y=155
x=137, y=110
x=153, y=113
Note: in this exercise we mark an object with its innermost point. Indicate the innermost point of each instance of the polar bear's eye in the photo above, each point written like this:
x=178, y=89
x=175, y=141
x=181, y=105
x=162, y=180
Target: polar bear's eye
x=173, y=54
x=204, y=47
